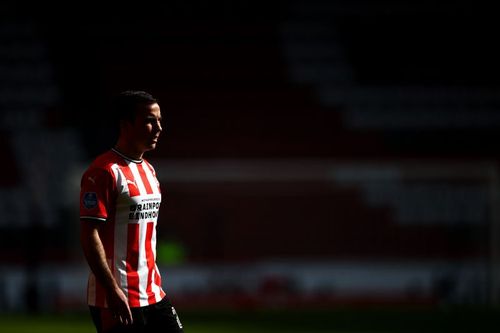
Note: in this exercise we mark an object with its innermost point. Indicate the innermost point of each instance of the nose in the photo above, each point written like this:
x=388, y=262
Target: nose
x=158, y=126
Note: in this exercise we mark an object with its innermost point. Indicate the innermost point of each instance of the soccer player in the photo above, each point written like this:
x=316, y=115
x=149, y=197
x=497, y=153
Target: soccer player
x=119, y=203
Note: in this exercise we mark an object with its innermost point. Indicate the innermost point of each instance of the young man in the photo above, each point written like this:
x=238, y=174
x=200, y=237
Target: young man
x=119, y=202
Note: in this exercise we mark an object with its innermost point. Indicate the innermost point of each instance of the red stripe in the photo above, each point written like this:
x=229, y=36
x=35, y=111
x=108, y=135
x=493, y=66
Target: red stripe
x=150, y=261
x=158, y=282
x=133, y=264
x=144, y=178
x=132, y=186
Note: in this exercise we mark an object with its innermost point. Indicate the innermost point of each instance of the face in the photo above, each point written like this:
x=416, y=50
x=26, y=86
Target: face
x=144, y=131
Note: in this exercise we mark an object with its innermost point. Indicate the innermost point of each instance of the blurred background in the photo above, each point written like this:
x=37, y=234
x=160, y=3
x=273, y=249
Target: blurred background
x=315, y=154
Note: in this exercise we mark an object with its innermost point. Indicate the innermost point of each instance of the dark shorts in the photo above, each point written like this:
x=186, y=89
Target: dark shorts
x=159, y=317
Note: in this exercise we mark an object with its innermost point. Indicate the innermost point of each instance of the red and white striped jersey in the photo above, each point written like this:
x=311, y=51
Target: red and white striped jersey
x=125, y=195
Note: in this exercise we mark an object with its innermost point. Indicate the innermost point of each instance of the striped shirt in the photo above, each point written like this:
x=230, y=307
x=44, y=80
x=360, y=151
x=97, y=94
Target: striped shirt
x=125, y=195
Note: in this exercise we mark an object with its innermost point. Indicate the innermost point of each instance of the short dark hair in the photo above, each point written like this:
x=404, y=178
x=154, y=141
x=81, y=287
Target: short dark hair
x=125, y=103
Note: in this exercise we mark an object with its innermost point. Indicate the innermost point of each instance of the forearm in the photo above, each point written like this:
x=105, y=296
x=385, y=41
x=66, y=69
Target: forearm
x=93, y=250
x=96, y=258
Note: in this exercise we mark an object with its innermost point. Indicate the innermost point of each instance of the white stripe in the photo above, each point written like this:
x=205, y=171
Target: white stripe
x=117, y=174
x=93, y=218
x=157, y=270
x=154, y=287
x=142, y=267
x=121, y=179
x=153, y=182
x=137, y=178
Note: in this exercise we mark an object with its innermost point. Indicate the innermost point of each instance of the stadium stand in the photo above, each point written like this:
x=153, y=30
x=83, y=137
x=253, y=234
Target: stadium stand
x=269, y=84
x=38, y=155
x=298, y=80
x=9, y=171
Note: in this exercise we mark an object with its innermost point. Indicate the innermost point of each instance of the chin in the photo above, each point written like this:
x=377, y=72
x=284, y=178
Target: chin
x=149, y=147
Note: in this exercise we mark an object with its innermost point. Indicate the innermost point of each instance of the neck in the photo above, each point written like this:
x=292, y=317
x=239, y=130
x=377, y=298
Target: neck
x=129, y=150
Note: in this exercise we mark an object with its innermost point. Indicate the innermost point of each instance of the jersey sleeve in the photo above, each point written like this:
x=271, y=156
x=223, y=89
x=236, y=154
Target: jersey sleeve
x=96, y=194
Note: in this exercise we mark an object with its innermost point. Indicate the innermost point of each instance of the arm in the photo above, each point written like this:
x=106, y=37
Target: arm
x=96, y=258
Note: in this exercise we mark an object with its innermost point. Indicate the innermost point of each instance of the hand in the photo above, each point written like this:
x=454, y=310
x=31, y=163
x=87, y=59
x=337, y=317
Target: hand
x=118, y=306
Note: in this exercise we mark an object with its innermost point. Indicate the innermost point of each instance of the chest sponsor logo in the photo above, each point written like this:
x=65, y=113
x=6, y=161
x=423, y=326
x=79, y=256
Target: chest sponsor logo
x=144, y=210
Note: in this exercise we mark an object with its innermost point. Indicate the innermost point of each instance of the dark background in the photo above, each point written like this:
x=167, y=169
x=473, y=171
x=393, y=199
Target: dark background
x=267, y=106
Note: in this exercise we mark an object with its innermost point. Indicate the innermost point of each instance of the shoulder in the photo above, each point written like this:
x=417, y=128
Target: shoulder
x=101, y=166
